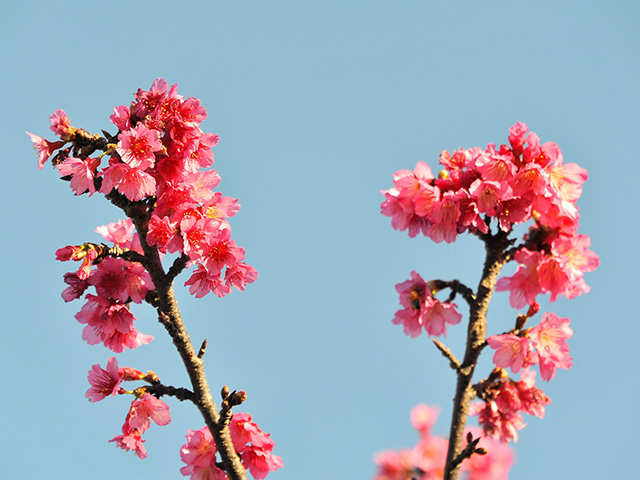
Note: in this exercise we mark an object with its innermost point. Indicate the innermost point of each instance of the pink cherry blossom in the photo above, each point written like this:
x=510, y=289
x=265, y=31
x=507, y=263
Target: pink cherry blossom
x=76, y=286
x=120, y=233
x=134, y=183
x=137, y=146
x=44, y=147
x=131, y=439
x=549, y=339
x=104, y=383
x=148, y=408
x=422, y=310
x=511, y=351
x=60, y=124
x=82, y=173
x=121, y=117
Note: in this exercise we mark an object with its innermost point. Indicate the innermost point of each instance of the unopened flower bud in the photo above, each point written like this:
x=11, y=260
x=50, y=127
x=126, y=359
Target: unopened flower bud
x=224, y=393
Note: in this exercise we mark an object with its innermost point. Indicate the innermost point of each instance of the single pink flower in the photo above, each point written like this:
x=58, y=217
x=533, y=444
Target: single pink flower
x=76, y=286
x=133, y=183
x=423, y=417
x=517, y=137
x=260, y=462
x=137, y=146
x=200, y=449
x=549, y=339
x=244, y=432
x=511, y=351
x=82, y=173
x=147, y=101
x=239, y=274
x=110, y=279
x=121, y=117
x=45, y=148
x=524, y=286
x=489, y=194
x=148, y=408
x=437, y=315
x=60, y=124
x=202, y=282
x=104, y=383
x=119, y=233
x=131, y=440
x=532, y=400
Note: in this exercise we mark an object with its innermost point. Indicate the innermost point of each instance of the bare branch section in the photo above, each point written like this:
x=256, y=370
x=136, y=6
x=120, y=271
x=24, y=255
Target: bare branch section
x=453, y=361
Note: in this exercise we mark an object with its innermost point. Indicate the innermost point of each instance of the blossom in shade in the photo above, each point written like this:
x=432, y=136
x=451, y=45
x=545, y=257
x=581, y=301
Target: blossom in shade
x=103, y=382
x=76, y=286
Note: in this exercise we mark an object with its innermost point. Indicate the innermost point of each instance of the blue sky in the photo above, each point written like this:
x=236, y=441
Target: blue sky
x=317, y=104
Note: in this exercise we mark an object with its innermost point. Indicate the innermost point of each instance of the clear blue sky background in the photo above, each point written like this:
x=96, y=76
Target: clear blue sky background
x=317, y=104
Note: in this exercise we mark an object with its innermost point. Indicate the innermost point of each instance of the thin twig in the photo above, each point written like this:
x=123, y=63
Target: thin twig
x=453, y=361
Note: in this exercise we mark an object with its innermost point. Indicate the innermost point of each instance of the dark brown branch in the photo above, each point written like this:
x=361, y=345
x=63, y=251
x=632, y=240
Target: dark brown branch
x=495, y=246
x=469, y=450
x=456, y=287
x=179, y=264
x=158, y=390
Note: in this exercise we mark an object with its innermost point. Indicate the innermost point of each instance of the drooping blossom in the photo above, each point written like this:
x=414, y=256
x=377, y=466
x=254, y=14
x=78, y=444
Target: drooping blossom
x=103, y=382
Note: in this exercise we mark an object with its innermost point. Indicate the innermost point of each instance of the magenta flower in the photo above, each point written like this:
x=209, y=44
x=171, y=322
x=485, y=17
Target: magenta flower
x=104, y=383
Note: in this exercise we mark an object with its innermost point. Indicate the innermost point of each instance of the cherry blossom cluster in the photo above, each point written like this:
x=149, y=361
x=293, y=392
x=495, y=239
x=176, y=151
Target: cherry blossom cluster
x=426, y=460
x=156, y=169
x=508, y=185
x=505, y=400
x=513, y=184
x=117, y=282
x=159, y=155
x=252, y=444
x=144, y=408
